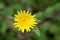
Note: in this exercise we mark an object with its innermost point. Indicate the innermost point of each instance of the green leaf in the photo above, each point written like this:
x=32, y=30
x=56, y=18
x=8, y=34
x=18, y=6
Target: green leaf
x=57, y=6
x=39, y=15
x=57, y=19
x=9, y=11
x=36, y=31
x=10, y=36
x=45, y=26
x=2, y=6
x=1, y=22
x=48, y=12
x=43, y=36
x=54, y=29
x=3, y=28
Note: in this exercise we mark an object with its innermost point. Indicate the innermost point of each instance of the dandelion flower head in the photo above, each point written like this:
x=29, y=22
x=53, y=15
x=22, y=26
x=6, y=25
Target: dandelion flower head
x=24, y=21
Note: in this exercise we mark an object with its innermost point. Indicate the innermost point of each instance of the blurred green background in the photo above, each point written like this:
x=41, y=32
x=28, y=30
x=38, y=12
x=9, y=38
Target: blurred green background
x=47, y=13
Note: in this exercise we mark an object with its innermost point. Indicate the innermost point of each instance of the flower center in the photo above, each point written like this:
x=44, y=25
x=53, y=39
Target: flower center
x=24, y=20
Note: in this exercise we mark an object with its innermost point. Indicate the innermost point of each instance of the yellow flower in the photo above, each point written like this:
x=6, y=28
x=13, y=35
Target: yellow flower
x=24, y=21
